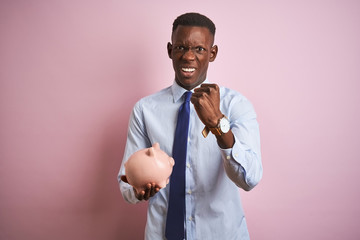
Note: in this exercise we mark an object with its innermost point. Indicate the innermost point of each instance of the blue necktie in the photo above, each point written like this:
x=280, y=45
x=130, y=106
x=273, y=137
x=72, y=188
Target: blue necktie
x=176, y=209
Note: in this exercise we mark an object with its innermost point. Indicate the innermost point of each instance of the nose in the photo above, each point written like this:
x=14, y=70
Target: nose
x=189, y=54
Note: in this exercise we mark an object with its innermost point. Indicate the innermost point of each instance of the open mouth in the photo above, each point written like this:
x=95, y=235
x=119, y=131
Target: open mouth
x=188, y=70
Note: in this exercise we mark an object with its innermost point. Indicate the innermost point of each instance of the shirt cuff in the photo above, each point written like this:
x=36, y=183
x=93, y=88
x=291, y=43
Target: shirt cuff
x=236, y=153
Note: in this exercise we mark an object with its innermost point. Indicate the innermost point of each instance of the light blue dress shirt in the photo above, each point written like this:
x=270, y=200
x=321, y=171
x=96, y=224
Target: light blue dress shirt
x=213, y=175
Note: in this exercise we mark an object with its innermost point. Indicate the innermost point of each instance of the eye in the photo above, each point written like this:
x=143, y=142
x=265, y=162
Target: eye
x=179, y=48
x=200, y=49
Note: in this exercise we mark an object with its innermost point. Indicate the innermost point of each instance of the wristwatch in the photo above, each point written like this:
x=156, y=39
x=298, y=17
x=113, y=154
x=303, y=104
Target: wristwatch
x=222, y=127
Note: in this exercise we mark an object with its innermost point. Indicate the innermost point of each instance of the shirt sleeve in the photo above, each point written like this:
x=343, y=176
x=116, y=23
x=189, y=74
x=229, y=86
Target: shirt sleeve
x=136, y=139
x=242, y=162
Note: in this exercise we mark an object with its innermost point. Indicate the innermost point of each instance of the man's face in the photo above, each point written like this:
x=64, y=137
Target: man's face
x=191, y=51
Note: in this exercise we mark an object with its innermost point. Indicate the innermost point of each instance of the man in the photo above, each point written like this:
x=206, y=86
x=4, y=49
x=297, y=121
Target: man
x=217, y=164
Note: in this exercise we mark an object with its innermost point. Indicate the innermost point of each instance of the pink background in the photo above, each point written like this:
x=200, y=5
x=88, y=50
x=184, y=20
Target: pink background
x=71, y=72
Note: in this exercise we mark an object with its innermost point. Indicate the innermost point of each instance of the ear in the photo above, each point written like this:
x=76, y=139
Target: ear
x=213, y=53
x=169, y=49
x=124, y=179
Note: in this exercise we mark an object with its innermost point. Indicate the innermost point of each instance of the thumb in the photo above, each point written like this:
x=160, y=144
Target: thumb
x=124, y=179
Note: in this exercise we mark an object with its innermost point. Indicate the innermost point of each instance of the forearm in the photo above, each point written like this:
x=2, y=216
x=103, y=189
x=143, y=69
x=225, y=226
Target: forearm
x=136, y=140
x=226, y=140
x=128, y=192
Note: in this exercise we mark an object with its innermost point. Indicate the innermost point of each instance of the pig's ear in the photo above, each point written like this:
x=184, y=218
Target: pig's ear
x=150, y=152
x=172, y=161
x=156, y=146
x=124, y=179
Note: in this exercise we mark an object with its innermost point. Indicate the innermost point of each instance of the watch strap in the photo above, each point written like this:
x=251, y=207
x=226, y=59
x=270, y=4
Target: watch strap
x=215, y=130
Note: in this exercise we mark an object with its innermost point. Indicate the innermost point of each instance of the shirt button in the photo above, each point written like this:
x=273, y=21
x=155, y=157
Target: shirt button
x=188, y=165
x=189, y=191
x=188, y=139
x=228, y=157
x=236, y=155
x=190, y=218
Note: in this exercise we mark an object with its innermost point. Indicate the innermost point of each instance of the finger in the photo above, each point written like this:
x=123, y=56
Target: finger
x=201, y=99
x=197, y=101
x=139, y=195
x=209, y=85
x=152, y=192
x=147, y=191
x=201, y=94
x=211, y=88
x=206, y=90
x=201, y=89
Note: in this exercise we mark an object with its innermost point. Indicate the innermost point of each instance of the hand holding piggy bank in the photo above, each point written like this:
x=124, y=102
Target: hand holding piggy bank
x=149, y=166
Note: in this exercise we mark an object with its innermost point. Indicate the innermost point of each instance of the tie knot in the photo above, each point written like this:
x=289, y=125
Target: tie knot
x=187, y=96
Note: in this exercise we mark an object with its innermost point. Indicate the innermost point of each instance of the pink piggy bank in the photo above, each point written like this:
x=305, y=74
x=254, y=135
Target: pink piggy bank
x=149, y=165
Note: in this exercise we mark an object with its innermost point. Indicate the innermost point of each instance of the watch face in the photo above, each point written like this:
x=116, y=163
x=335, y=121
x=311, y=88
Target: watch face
x=224, y=125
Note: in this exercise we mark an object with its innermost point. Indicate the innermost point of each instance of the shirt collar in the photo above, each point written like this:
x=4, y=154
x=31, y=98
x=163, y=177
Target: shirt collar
x=178, y=91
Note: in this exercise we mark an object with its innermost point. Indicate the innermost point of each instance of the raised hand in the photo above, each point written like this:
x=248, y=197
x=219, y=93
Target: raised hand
x=206, y=100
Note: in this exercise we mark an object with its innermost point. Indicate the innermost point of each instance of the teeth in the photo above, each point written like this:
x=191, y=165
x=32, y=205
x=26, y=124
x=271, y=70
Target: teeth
x=188, y=69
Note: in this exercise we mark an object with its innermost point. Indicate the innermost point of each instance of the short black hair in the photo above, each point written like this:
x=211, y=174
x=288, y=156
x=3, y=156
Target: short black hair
x=194, y=19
